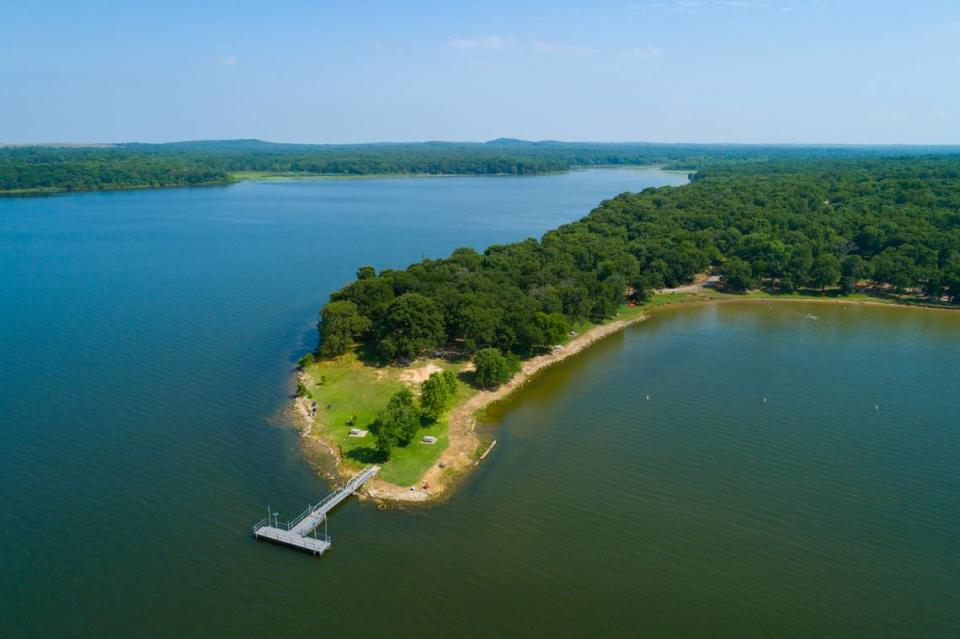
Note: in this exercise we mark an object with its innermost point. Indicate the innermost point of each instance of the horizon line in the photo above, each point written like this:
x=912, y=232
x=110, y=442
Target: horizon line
x=89, y=145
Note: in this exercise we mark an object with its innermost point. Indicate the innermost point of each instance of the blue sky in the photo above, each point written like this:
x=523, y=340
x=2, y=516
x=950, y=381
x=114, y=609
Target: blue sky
x=805, y=71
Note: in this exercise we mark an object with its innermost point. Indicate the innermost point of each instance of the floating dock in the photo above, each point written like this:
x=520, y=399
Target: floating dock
x=302, y=532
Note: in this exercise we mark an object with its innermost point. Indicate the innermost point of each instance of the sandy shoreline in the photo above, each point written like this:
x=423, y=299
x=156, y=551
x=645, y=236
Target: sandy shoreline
x=462, y=452
x=458, y=458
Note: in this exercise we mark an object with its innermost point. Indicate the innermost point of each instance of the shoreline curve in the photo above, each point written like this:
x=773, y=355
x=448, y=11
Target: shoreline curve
x=461, y=455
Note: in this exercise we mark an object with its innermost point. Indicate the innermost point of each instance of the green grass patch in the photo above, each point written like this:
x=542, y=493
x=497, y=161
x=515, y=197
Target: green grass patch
x=628, y=312
x=350, y=393
x=269, y=175
x=709, y=294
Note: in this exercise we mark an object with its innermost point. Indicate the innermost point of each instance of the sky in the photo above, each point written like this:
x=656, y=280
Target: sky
x=748, y=71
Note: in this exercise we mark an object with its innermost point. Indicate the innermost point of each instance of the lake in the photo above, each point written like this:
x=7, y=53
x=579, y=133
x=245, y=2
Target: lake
x=148, y=340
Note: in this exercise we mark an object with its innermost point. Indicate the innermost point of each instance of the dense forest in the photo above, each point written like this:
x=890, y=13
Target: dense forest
x=890, y=225
x=25, y=169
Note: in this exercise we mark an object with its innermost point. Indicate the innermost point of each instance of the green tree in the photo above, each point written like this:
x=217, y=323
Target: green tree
x=366, y=272
x=340, y=324
x=371, y=295
x=799, y=266
x=411, y=324
x=493, y=368
x=553, y=328
x=737, y=274
x=477, y=324
x=396, y=424
x=853, y=268
x=450, y=381
x=387, y=437
x=951, y=278
x=436, y=394
x=894, y=267
x=825, y=271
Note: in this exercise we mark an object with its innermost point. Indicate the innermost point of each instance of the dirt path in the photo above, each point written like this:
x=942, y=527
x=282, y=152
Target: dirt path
x=699, y=284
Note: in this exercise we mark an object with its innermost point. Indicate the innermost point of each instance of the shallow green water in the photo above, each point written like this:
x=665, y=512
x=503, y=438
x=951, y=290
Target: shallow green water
x=147, y=343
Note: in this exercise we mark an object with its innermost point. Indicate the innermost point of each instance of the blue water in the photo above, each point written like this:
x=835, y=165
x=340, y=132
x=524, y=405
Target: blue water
x=146, y=342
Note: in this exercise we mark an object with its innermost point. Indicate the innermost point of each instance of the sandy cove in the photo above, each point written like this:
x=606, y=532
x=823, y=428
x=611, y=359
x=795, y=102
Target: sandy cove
x=461, y=453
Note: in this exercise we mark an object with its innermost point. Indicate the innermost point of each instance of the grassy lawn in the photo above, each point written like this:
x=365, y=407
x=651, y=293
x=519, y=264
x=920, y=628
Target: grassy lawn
x=266, y=175
x=345, y=388
x=628, y=312
x=804, y=294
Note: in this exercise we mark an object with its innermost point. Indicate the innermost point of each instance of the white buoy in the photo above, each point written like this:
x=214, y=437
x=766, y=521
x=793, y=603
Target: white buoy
x=877, y=407
x=648, y=398
x=764, y=400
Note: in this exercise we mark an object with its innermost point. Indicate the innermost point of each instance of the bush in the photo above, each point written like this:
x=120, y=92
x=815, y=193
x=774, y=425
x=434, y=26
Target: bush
x=306, y=360
x=436, y=394
x=493, y=368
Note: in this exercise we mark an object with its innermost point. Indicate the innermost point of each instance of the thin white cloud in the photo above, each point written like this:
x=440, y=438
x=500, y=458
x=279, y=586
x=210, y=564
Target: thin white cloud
x=884, y=115
x=695, y=6
x=686, y=6
x=497, y=43
x=642, y=53
x=744, y=4
x=228, y=61
x=541, y=46
x=489, y=42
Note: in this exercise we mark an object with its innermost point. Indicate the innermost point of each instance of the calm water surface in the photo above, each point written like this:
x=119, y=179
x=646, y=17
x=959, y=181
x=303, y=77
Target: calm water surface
x=147, y=340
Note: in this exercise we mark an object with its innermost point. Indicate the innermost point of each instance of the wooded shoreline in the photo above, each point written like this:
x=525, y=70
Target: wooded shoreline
x=466, y=449
x=866, y=231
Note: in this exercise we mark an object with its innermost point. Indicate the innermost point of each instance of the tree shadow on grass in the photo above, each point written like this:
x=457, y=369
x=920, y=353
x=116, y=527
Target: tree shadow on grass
x=469, y=378
x=366, y=455
x=367, y=353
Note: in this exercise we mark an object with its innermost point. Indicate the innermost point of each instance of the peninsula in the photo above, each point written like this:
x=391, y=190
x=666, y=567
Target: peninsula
x=407, y=358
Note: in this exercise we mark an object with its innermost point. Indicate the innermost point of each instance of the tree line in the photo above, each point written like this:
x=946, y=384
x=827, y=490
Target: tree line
x=397, y=424
x=59, y=168
x=892, y=224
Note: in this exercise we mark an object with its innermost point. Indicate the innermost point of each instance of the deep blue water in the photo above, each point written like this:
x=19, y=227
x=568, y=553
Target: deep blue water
x=146, y=343
x=148, y=340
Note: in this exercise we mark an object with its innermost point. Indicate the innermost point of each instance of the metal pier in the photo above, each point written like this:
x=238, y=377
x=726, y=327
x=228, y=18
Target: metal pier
x=302, y=531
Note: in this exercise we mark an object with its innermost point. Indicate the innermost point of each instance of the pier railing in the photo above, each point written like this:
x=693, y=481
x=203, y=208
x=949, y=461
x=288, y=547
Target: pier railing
x=312, y=509
x=320, y=509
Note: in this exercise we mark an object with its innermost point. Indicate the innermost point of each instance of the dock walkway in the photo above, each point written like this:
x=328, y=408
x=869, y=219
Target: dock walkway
x=302, y=531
